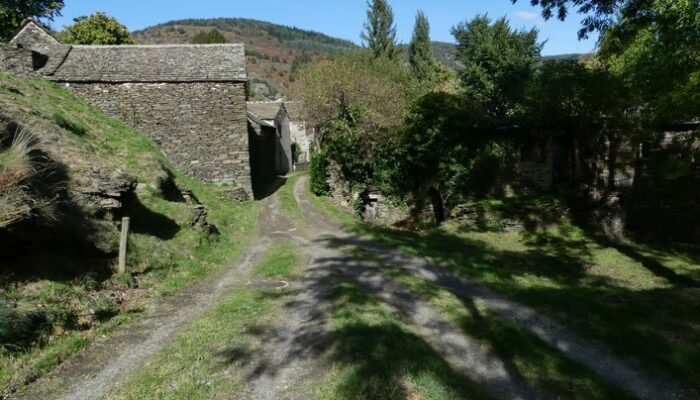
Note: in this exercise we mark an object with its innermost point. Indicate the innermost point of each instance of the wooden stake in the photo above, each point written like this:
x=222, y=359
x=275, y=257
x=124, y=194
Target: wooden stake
x=122, y=245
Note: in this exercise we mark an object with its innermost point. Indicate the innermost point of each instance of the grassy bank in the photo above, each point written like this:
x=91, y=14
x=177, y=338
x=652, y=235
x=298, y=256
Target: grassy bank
x=206, y=361
x=287, y=202
x=642, y=302
x=52, y=303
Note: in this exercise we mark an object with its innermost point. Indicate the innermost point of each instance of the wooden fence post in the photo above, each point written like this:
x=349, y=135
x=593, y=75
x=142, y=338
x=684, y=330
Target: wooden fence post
x=122, y=245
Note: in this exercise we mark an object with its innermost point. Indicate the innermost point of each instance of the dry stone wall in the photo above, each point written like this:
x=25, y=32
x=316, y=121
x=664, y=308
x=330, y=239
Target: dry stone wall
x=201, y=126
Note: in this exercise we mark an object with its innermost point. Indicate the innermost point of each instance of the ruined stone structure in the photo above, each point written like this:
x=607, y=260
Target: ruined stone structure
x=299, y=132
x=190, y=99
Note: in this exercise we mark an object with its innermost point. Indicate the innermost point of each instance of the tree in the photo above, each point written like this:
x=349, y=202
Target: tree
x=14, y=13
x=209, y=37
x=98, y=28
x=498, y=62
x=380, y=31
x=600, y=13
x=657, y=53
x=420, y=51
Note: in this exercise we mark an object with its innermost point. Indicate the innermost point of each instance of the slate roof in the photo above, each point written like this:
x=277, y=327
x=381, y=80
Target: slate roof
x=265, y=110
x=153, y=63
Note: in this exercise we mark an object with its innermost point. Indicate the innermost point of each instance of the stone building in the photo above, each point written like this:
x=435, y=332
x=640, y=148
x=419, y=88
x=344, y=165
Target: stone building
x=266, y=115
x=299, y=132
x=190, y=99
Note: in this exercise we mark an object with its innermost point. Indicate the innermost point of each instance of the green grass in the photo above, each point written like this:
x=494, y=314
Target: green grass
x=334, y=211
x=205, y=361
x=165, y=254
x=281, y=260
x=288, y=204
x=539, y=364
x=196, y=365
x=642, y=301
x=376, y=356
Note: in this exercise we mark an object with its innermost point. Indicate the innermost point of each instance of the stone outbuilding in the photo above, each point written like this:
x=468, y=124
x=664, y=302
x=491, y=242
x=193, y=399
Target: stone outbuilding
x=299, y=132
x=267, y=118
x=190, y=99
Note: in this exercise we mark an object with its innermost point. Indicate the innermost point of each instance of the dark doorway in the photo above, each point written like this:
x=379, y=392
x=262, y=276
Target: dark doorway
x=438, y=205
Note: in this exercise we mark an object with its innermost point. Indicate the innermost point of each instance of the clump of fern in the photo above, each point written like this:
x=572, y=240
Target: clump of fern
x=20, y=173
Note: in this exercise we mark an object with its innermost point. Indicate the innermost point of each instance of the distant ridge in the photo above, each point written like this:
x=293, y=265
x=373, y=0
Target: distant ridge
x=275, y=53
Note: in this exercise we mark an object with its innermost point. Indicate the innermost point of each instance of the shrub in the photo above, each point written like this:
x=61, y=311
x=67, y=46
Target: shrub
x=19, y=169
x=318, y=172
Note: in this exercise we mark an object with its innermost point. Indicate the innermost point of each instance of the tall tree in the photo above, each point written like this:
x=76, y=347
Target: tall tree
x=420, y=51
x=98, y=28
x=13, y=14
x=380, y=31
x=498, y=62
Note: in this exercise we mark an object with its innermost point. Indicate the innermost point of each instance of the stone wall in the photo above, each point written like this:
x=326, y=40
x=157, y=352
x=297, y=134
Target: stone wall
x=200, y=126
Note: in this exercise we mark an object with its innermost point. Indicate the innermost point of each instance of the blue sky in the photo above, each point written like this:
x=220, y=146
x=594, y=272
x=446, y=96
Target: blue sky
x=342, y=18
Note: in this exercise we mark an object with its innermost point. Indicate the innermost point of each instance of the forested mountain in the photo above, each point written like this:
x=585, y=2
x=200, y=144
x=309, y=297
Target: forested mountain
x=274, y=52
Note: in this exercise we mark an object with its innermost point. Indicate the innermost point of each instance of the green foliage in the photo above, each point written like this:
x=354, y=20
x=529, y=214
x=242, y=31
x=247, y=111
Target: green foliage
x=654, y=48
x=318, y=174
x=380, y=31
x=14, y=13
x=209, y=37
x=420, y=51
x=378, y=89
x=99, y=28
x=498, y=62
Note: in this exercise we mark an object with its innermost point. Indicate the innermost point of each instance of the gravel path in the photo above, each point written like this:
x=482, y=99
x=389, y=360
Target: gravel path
x=464, y=354
x=301, y=336
x=588, y=353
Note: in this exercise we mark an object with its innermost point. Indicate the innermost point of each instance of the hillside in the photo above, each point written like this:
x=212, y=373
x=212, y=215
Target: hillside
x=274, y=52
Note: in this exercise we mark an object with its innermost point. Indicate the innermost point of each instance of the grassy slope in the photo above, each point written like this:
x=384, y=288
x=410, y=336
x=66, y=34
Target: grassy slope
x=643, y=302
x=161, y=264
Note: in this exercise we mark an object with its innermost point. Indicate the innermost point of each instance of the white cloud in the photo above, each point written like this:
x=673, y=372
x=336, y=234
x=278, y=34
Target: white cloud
x=527, y=15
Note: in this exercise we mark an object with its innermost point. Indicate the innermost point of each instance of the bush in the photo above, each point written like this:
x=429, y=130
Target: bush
x=19, y=171
x=318, y=171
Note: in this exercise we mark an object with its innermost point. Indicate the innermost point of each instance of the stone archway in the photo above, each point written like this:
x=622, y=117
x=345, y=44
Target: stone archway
x=438, y=205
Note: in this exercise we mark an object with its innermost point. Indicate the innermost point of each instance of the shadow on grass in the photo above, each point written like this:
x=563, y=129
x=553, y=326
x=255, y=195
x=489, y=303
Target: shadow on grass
x=552, y=274
x=266, y=187
x=373, y=355
x=383, y=359
x=148, y=222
